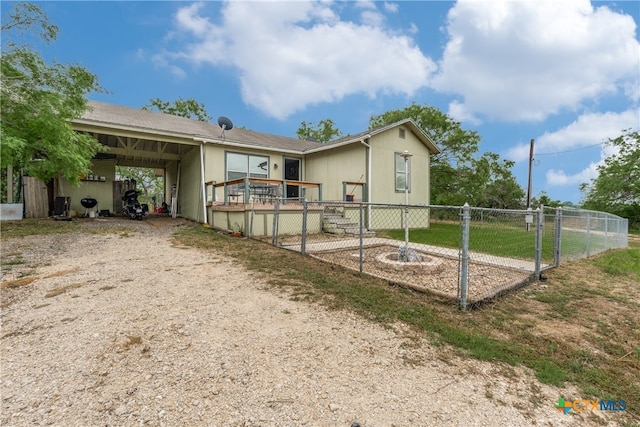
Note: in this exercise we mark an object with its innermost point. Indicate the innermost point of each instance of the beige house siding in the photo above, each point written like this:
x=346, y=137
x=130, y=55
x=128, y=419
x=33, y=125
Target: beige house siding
x=102, y=191
x=190, y=191
x=385, y=146
x=215, y=163
x=333, y=167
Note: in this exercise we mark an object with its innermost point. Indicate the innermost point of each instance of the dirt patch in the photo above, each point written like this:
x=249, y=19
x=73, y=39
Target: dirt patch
x=188, y=337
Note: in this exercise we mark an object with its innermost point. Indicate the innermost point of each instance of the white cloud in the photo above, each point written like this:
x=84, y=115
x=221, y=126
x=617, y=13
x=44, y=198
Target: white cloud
x=459, y=112
x=292, y=54
x=526, y=60
x=391, y=7
x=559, y=178
x=588, y=129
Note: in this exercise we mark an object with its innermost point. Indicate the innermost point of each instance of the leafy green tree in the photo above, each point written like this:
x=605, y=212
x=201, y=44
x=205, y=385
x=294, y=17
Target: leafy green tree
x=39, y=100
x=617, y=187
x=496, y=187
x=189, y=108
x=458, y=146
x=323, y=132
x=544, y=199
x=458, y=175
x=147, y=183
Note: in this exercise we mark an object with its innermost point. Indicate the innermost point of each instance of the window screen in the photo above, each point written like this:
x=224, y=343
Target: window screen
x=400, y=173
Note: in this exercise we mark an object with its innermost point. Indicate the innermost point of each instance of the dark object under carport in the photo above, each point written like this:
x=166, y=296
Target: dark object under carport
x=88, y=203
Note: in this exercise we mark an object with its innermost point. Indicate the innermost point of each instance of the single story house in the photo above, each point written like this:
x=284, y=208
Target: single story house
x=205, y=165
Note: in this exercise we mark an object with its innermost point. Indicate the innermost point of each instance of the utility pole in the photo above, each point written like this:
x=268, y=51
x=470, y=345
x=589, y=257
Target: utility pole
x=528, y=217
x=529, y=183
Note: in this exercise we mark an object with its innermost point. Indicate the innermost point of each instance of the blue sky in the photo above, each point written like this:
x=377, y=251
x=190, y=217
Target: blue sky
x=565, y=73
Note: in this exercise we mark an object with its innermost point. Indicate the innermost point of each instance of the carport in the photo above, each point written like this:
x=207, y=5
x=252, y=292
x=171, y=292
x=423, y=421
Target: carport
x=137, y=138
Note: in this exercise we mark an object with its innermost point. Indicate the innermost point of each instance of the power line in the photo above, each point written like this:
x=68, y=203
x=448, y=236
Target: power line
x=570, y=151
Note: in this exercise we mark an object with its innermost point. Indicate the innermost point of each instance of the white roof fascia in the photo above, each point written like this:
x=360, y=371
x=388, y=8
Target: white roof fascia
x=325, y=147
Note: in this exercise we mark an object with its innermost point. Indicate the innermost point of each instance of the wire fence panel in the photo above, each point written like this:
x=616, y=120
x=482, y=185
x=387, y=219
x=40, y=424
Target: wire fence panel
x=502, y=251
x=466, y=254
x=585, y=233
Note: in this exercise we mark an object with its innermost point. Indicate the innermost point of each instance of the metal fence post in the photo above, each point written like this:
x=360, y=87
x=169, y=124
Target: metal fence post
x=276, y=214
x=303, y=244
x=251, y=219
x=464, y=256
x=557, y=241
x=361, y=238
x=539, y=222
x=588, y=234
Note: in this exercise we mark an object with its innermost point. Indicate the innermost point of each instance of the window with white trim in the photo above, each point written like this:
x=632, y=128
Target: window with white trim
x=242, y=165
x=400, y=173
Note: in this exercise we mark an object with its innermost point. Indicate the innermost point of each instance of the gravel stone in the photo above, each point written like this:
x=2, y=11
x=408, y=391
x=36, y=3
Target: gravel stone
x=129, y=329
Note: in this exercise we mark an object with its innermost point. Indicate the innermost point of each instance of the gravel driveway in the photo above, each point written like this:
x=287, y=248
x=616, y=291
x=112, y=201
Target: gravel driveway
x=128, y=329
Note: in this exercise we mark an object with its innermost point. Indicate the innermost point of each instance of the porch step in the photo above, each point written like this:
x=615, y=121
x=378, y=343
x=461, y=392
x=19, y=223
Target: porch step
x=334, y=222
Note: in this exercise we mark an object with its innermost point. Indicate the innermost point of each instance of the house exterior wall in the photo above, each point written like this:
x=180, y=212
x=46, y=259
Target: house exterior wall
x=215, y=163
x=332, y=167
x=102, y=191
x=385, y=146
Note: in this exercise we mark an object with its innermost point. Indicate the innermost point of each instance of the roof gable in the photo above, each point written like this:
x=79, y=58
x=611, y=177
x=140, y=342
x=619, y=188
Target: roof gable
x=356, y=138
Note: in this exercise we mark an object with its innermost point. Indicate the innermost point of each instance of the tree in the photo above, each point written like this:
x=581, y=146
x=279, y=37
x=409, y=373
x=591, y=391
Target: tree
x=544, y=199
x=457, y=145
x=38, y=102
x=325, y=131
x=189, y=108
x=458, y=175
x=497, y=187
x=147, y=183
x=617, y=187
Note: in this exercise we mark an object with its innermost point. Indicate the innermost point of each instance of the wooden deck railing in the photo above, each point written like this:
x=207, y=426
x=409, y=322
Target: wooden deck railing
x=263, y=189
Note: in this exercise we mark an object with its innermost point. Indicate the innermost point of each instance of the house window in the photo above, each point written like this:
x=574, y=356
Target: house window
x=242, y=165
x=400, y=173
x=401, y=133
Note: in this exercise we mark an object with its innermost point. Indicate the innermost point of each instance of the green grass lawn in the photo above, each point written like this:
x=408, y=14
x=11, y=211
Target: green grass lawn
x=503, y=239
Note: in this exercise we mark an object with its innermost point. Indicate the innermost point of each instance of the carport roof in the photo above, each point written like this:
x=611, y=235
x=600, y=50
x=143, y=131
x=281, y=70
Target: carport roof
x=116, y=117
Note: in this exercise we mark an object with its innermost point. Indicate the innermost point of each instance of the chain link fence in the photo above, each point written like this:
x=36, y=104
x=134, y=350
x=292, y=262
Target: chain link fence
x=467, y=254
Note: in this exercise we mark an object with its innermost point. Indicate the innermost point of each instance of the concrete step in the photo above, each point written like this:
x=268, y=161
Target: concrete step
x=356, y=231
x=338, y=221
x=333, y=230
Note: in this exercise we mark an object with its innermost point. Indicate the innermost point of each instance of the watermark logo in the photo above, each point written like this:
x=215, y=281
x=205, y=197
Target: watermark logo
x=581, y=405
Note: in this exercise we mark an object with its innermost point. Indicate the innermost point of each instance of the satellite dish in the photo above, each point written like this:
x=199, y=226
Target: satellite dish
x=225, y=123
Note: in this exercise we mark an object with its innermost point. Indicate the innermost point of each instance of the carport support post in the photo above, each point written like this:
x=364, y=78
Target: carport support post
x=303, y=244
x=464, y=256
x=539, y=222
